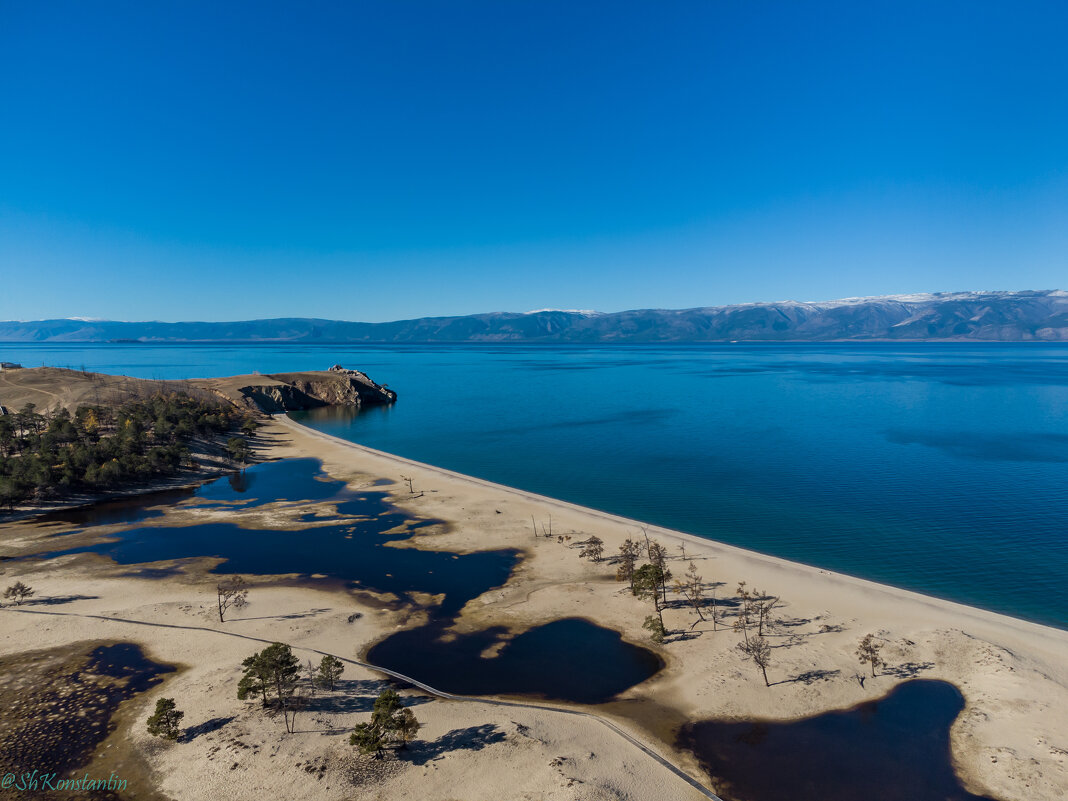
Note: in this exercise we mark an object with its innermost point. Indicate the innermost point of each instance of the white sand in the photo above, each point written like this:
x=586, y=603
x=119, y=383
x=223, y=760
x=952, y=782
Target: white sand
x=1010, y=742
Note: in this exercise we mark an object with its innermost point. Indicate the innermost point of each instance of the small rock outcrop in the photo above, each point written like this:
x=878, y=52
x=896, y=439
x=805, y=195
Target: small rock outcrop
x=289, y=392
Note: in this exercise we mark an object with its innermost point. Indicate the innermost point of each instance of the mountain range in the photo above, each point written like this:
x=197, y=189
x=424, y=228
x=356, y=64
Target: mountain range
x=992, y=316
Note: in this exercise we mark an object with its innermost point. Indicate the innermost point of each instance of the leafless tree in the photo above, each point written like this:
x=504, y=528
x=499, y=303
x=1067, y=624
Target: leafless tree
x=763, y=605
x=745, y=611
x=693, y=589
x=232, y=594
x=18, y=592
x=758, y=650
x=311, y=675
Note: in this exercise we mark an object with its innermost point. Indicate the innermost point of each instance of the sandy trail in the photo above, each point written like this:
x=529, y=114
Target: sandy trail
x=416, y=683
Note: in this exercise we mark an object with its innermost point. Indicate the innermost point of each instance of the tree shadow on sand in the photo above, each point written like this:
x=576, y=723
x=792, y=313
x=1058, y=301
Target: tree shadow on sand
x=290, y=616
x=810, y=677
x=473, y=738
x=207, y=727
x=352, y=695
x=906, y=670
x=54, y=600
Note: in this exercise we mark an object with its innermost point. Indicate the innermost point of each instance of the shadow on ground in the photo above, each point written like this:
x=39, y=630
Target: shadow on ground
x=207, y=727
x=473, y=738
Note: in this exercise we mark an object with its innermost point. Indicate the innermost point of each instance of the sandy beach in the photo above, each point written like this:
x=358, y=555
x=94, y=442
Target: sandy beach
x=1010, y=742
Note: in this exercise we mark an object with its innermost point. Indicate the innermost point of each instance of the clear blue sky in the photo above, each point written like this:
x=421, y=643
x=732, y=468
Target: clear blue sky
x=391, y=159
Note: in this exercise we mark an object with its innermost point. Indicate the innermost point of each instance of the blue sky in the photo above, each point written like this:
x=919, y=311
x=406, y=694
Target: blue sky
x=385, y=160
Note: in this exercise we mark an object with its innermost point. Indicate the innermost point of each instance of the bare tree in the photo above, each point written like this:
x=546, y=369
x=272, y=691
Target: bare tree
x=745, y=611
x=693, y=589
x=232, y=594
x=311, y=675
x=18, y=592
x=763, y=605
x=758, y=650
x=868, y=652
x=594, y=549
x=293, y=699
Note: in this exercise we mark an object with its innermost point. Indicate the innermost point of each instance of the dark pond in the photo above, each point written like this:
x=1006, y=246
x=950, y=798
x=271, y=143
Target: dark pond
x=885, y=750
x=283, y=480
x=133, y=509
x=570, y=659
x=354, y=551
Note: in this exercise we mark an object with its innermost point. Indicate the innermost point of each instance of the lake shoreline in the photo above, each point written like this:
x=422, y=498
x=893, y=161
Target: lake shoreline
x=1006, y=744
x=655, y=530
x=933, y=638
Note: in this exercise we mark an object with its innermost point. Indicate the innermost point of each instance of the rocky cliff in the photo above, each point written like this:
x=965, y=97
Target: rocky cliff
x=289, y=392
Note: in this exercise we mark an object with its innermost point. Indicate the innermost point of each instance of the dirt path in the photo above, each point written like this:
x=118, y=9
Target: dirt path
x=409, y=680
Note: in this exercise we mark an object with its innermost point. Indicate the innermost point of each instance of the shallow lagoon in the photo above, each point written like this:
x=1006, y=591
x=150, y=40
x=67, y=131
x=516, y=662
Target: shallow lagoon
x=894, y=748
x=353, y=546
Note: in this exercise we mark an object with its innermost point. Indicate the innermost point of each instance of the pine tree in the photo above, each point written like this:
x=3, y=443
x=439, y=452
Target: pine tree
x=868, y=652
x=628, y=558
x=330, y=670
x=594, y=549
x=390, y=723
x=646, y=585
x=165, y=721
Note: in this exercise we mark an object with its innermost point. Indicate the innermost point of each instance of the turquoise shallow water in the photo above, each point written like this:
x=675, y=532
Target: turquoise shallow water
x=941, y=468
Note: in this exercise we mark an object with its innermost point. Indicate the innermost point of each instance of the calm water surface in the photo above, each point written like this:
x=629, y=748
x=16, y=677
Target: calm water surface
x=353, y=545
x=885, y=750
x=941, y=468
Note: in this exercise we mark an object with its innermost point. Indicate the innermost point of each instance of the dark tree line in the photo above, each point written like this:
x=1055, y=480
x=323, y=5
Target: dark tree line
x=101, y=447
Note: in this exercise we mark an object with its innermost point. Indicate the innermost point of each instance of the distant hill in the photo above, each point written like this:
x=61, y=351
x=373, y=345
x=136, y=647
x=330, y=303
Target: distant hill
x=994, y=316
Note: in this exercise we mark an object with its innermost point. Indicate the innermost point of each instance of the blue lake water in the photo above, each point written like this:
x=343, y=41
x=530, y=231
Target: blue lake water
x=941, y=468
